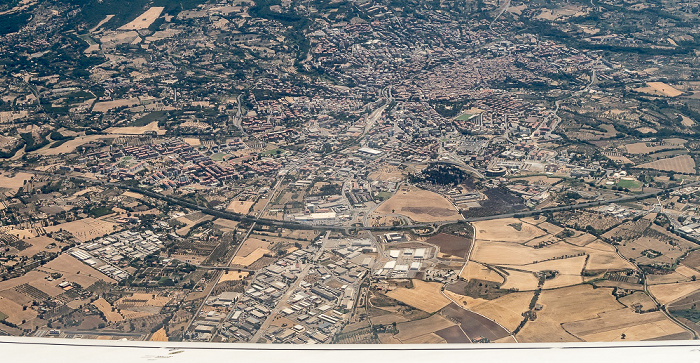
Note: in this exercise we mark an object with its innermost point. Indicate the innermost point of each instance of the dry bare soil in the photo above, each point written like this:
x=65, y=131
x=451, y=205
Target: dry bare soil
x=420, y=205
x=425, y=296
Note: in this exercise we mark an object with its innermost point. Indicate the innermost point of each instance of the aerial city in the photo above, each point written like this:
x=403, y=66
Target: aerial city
x=350, y=171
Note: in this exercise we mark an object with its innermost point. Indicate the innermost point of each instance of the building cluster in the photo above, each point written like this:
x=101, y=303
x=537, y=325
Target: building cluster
x=112, y=253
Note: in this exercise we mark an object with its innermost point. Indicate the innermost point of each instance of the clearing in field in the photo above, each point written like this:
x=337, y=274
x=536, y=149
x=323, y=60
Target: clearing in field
x=247, y=260
x=668, y=293
x=417, y=328
x=144, y=20
x=420, y=205
x=660, y=89
x=85, y=229
x=425, y=296
x=680, y=164
x=507, y=230
x=240, y=206
x=106, y=308
x=611, y=325
x=565, y=305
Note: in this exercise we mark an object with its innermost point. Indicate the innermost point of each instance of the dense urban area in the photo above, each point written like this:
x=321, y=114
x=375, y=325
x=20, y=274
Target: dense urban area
x=350, y=171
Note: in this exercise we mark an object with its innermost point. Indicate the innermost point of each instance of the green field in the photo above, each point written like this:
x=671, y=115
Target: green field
x=273, y=152
x=218, y=156
x=3, y=316
x=629, y=184
x=383, y=195
x=100, y=211
x=464, y=117
x=147, y=119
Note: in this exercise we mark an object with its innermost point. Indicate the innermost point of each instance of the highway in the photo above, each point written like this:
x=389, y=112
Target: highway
x=297, y=225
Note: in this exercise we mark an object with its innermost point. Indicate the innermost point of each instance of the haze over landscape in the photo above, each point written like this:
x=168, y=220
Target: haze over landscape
x=350, y=171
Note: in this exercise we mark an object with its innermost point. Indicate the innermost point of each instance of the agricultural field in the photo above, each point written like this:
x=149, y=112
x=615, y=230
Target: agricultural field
x=659, y=89
x=85, y=229
x=425, y=296
x=418, y=331
x=680, y=164
x=233, y=276
x=656, y=245
x=585, y=218
x=453, y=334
x=420, y=205
x=35, y=279
x=108, y=105
x=144, y=20
x=668, y=293
x=507, y=230
x=625, y=324
x=74, y=270
x=107, y=310
x=638, y=301
x=136, y=130
x=475, y=326
x=12, y=182
x=474, y=270
x=566, y=305
x=240, y=206
x=568, y=272
x=249, y=259
x=520, y=281
x=510, y=253
x=692, y=259
x=387, y=173
x=603, y=257
x=40, y=244
x=70, y=145
x=639, y=148
x=506, y=310
x=464, y=301
x=159, y=336
x=15, y=312
x=451, y=245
